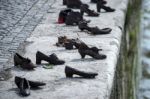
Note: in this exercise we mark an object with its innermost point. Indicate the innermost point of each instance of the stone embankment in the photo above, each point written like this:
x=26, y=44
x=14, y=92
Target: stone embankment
x=37, y=23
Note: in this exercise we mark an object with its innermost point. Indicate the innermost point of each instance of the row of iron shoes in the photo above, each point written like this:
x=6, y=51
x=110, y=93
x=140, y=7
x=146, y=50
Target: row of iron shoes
x=69, y=17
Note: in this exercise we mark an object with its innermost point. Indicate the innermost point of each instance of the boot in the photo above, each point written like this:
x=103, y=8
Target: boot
x=93, y=30
x=101, y=5
x=23, y=85
x=24, y=63
x=51, y=59
x=74, y=3
x=62, y=15
x=33, y=84
x=71, y=71
x=84, y=50
x=85, y=8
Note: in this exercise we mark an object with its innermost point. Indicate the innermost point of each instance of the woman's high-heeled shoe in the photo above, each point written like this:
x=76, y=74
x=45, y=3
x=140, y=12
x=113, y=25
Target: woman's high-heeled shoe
x=24, y=63
x=84, y=50
x=51, y=59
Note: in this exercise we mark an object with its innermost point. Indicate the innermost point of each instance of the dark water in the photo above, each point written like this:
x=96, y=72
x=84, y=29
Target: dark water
x=144, y=85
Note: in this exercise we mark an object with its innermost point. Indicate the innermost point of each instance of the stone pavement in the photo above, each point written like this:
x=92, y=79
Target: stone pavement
x=18, y=18
x=58, y=86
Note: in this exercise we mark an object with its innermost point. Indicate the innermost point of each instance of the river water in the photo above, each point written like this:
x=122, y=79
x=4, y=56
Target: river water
x=144, y=85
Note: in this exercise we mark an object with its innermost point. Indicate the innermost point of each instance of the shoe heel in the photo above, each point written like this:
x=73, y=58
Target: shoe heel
x=15, y=63
x=38, y=62
x=82, y=13
x=69, y=75
x=82, y=55
x=81, y=29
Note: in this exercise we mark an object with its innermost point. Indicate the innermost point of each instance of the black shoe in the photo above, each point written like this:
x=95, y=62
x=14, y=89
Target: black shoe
x=74, y=4
x=83, y=25
x=51, y=59
x=101, y=5
x=85, y=8
x=24, y=63
x=36, y=84
x=33, y=84
x=55, y=60
x=62, y=15
x=78, y=44
x=23, y=85
x=93, y=52
x=95, y=1
x=73, y=18
x=71, y=71
x=93, y=30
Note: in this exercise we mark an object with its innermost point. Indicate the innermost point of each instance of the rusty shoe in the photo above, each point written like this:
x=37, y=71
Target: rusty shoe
x=62, y=40
x=69, y=71
x=24, y=63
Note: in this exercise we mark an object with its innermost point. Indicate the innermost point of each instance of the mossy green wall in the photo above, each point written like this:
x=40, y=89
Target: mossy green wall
x=126, y=77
